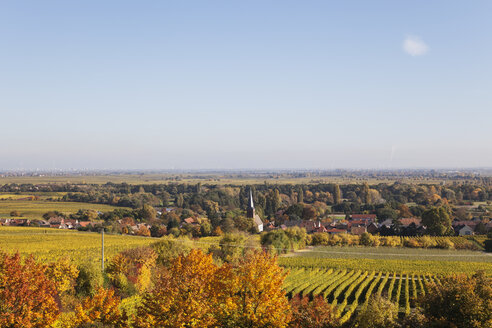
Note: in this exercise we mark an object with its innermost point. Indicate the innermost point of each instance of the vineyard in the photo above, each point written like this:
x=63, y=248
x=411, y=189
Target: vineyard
x=52, y=244
x=350, y=290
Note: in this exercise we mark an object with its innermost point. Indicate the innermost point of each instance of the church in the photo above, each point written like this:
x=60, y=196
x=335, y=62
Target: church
x=250, y=213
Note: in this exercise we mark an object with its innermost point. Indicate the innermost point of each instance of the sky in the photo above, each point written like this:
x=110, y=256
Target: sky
x=245, y=84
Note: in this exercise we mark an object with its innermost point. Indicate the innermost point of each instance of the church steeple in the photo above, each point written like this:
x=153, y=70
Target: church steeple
x=250, y=213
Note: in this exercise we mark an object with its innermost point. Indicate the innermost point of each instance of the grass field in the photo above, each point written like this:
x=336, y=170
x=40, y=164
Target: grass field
x=35, y=209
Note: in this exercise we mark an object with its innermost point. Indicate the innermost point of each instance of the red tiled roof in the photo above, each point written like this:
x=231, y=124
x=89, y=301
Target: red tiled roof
x=364, y=216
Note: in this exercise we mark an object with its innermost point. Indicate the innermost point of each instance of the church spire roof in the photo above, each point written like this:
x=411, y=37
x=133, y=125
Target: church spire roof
x=251, y=203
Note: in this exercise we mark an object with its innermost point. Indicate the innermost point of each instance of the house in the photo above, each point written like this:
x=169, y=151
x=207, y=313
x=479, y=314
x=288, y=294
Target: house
x=335, y=231
x=405, y=222
x=250, y=213
x=310, y=226
x=464, y=230
x=4, y=222
x=85, y=224
x=20, y=222
x=371, y=217
x=190, y=220
x=320, y=229
x=372, y=228
x=358, y=230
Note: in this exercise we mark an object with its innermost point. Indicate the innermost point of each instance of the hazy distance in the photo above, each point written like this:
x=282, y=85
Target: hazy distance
x=277, y=84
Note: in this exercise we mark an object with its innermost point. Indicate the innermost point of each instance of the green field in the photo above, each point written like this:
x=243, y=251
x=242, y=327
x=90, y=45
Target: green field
x=35, y=209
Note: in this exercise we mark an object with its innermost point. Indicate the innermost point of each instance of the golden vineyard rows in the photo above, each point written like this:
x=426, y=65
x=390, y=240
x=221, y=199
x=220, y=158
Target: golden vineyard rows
x=350, y=290
x=388, y=265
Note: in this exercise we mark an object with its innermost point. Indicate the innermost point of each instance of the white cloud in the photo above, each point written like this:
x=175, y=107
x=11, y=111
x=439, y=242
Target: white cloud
x=414, y=46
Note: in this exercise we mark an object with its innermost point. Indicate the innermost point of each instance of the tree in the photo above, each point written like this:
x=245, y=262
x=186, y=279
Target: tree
x=169, y=248
x=184, y=294
x=309, y=212
x=252, y=293
x=300, y=196
x=148, y=212
x=379, y=313
x=130, y=271
x=437, y=221
x=231, y=247
x=277, y=239
x=459, y=301
x=101, y=308
x=337, y=194
x=27, y=296
x=315, y=314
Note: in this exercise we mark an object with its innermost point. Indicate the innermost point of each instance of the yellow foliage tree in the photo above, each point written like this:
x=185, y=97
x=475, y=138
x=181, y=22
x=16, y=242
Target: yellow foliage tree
x=183, y=296
x=63, y=273
x=101, y=308
x=251, y=293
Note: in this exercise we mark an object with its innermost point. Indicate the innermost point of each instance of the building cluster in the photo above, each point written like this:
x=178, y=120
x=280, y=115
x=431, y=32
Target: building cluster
x=357, y=224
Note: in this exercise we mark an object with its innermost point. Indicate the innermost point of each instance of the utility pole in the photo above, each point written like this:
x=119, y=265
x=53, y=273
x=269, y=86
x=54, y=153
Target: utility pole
x=102, y=250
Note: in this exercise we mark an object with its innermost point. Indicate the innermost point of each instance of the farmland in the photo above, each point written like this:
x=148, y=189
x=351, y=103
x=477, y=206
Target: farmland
x=350, y=290
x=399, y=260
x=51, y=244
x=347, y=277
x=34, y=209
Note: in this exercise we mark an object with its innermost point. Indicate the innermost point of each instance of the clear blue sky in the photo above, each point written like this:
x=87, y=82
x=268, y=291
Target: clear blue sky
x=245, y=84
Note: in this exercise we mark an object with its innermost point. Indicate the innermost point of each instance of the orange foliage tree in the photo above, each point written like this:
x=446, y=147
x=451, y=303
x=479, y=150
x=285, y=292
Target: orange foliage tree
x=315, y=314
x=102, y=308
x=27, y=296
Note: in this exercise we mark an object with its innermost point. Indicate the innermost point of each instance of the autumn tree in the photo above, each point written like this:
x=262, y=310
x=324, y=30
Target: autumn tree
x=459, y=301
x=184, y=294
x=102, y=308
x=130, y=271
x=252, y=294
x=317, y=313
x=27, y=296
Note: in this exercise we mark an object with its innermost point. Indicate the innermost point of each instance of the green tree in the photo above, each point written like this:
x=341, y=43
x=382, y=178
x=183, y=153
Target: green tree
x=380, y=313
x=437, y=221
x=337, y=194
x=148, y=212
